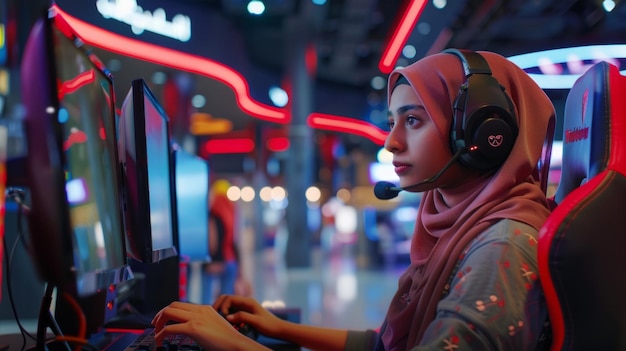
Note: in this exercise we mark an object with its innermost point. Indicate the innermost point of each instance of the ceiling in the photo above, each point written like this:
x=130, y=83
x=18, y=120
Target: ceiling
x=350, y=35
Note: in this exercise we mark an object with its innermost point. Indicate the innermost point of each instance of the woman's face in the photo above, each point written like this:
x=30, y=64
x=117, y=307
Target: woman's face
x=419, y=150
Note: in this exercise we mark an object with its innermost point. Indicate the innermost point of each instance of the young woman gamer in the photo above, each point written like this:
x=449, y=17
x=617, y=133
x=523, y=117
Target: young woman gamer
x=469, y=130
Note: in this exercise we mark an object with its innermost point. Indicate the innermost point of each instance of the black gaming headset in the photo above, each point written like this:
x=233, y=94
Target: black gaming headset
x=484, y=126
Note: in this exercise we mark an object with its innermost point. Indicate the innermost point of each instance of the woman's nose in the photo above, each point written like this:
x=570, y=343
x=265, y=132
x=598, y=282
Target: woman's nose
x=393, y=143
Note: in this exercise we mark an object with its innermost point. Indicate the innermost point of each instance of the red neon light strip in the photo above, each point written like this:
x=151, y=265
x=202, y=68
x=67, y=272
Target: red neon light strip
x=347, y=125
x=112, y=42
x=401, y=35
x=76, y=83
x=119, y=44
x=229, y=146
x=278, y=144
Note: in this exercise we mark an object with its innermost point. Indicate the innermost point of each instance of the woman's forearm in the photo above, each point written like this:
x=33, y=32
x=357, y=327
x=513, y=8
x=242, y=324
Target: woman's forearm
x=312, y=337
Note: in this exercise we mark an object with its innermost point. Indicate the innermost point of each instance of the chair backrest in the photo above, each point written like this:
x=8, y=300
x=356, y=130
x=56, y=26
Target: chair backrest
x=582, y=246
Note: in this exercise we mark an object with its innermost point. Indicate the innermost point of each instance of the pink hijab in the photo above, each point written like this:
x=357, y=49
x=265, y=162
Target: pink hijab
x=513, y=191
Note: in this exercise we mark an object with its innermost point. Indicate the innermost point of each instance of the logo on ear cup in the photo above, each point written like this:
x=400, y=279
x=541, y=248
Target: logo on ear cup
x=495, y=140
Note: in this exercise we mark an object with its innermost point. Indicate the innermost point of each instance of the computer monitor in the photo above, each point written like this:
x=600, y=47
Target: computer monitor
x=192, y=201
x=149, y=184
x=76, y=235
x=75, y=221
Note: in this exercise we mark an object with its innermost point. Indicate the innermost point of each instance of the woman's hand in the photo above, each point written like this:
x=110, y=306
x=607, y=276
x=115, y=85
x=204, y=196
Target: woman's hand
x=240, y=309
x=203, y=324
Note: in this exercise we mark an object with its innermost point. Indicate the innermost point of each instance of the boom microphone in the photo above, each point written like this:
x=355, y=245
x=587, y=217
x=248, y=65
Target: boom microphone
x=384, y=190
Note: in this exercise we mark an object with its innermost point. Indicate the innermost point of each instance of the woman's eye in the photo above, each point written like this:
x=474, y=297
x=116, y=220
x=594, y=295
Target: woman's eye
x=412, y=121
x=390, y=125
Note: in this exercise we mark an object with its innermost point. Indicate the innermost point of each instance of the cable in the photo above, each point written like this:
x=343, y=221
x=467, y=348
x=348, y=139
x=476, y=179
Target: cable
x=16, y=195
x=82, y=328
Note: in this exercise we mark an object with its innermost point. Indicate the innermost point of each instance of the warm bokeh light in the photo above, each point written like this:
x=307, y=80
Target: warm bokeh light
x=344, y=195
x=278, y=193
x=265, y=193
x=247, y=193
x=313, y=194
x=233, y=193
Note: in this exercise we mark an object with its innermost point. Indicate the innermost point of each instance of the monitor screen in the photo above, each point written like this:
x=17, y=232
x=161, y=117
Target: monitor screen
x=192, y=202
x=75, y=222
x=149, y=188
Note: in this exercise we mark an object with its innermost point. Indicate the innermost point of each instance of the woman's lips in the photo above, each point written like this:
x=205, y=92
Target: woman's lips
x=401, y=167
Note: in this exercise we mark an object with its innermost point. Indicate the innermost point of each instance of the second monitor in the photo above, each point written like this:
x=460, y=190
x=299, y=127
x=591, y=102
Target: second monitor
x=148, y=166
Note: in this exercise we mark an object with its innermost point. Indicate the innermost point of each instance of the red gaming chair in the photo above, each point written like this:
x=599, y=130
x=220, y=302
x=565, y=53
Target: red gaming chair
x=582, y=246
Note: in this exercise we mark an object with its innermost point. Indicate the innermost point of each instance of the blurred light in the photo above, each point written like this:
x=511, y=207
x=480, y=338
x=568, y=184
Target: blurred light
x=344, y=195
x=114, y=65
x=221, y=186
x=608, y=5
x=272, y=166
x=202, y=123
x=278, y=144
x=346, y=220
x=278, y=96
x=409, y=51
x=273, y=304
x=330, y=208
x=229, y=146
x=347, y=125
x=406, y=214
x=556, y=158
x=384, y=156
x=278, y=193
x=247, y=193
x=271, y=218
x=423, y=28
x=256, y=7
x=233, y=193
x=159, y=78
x=76, y=190
x=265, y=193
x=279, y=205
x=378, y=83
x=546, y=66
x=318, y=2
x=313, y=194
x=198, y=101
x=440, y=4
x=382, y=172
x=346, y=287
x=64, y=116
x=594, y=53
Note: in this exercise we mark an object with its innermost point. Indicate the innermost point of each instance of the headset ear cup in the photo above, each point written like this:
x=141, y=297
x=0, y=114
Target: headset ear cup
x=489, y=142
x=484, y=126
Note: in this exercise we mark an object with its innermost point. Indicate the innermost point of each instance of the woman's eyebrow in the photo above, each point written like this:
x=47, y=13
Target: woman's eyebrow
x=403, y=109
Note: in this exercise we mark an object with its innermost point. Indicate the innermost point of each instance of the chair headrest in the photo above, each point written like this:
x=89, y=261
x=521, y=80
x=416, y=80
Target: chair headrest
x=594, y=131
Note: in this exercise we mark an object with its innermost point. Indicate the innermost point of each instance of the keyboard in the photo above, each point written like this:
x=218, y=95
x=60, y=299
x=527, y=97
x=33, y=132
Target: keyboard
x=147, y=342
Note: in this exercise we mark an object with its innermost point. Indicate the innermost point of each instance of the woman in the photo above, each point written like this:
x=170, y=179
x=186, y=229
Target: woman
x=472, y=282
